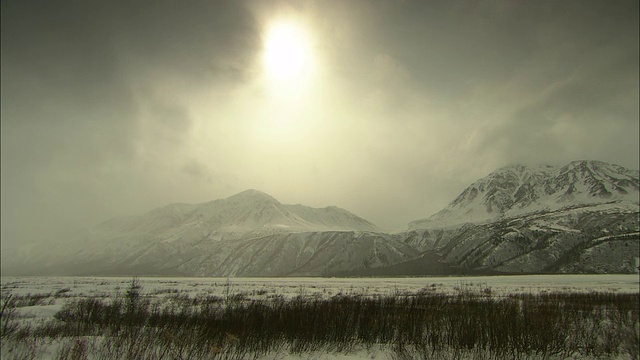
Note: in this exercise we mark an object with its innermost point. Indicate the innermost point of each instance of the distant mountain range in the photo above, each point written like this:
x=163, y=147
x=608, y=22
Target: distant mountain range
x=247, y=234
x=579, y=218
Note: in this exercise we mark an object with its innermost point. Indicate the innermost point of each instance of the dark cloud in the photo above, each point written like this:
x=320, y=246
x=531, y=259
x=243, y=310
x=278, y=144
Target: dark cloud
x=82, y=115
x=575, y=92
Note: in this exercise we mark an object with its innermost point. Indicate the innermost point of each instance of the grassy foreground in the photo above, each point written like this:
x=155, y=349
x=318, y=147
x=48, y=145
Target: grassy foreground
x=426, y=325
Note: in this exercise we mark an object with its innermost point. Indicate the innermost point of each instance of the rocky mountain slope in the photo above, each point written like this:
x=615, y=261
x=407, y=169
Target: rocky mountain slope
x=518, y=190
x=601, y=238
x=581, y=217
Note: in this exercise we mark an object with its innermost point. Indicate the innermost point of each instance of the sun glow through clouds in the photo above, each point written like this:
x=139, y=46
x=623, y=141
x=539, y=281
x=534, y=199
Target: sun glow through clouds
x=287, y=53
x=290, y=80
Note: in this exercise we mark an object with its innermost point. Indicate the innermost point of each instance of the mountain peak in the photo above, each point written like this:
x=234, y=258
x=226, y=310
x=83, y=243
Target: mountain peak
x=252, y=195
x=250, y=211
x=518, y=189
x=519, y=168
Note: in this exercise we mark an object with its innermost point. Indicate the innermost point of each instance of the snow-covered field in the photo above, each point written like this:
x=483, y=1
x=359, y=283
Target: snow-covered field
x=42, y=297
x=263, y=288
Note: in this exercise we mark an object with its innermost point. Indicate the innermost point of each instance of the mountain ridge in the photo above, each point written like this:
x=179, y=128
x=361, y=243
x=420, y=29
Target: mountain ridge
x=517, y=189
x=179, y=233
x=580, y=217
x=247, y=211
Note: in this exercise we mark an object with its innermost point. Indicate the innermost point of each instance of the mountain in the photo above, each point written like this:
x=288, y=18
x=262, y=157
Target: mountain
x=247, y=234
x=601, y=238
x=282, y=254
x=248, y=211
x=517, y=190
x=583, y=217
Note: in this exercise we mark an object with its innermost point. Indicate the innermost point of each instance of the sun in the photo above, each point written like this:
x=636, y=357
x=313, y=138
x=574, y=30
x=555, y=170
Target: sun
x=291, y=78
x=287, y=52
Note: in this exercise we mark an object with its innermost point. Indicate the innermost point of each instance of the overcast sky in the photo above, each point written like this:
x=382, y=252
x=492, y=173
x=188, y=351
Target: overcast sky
x=117, y=107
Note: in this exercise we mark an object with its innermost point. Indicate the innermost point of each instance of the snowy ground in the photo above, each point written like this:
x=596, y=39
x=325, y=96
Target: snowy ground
x=158, y=287
x=56, y=291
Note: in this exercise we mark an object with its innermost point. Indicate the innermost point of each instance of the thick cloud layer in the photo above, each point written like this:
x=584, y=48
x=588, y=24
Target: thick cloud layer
x=112, y=108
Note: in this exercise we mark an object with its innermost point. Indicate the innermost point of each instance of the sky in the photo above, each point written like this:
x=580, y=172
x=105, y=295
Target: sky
x=388, y=109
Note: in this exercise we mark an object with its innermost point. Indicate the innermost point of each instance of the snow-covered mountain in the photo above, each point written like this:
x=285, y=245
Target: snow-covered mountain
x=600, y=238
x=282, y=254
x=518, y=190
x=248, y=211
x=217, y=238
x=582, y=217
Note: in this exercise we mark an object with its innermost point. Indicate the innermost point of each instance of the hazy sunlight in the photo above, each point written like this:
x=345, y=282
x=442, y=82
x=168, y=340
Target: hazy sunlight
x=287, y=58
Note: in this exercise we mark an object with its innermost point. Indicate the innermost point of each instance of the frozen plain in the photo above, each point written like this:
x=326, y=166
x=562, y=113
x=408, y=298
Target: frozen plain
x=56, y=291
x=292, y=286
x=316, y=287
